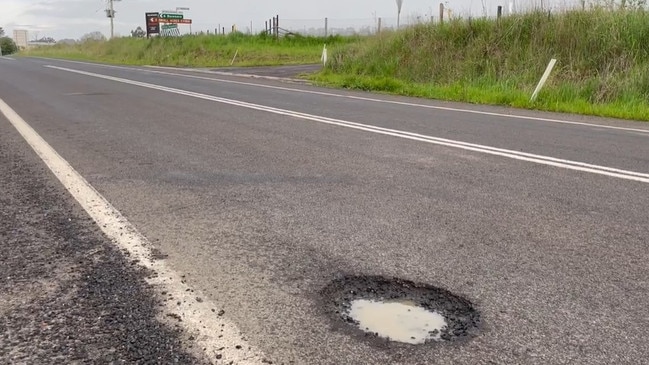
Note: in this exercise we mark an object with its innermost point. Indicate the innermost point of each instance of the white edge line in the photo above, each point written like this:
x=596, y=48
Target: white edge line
x=224, y=73
x=197, y=317
x=539, y=159
x=362, y=98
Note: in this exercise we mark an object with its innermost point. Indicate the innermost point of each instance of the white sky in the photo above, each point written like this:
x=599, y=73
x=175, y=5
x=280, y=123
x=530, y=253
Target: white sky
x=72, y=18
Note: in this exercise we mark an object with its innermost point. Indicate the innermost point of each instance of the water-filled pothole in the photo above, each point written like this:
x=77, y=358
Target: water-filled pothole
x=397, y=320
x=400, y=310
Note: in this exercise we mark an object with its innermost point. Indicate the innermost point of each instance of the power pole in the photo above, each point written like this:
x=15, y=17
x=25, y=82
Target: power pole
x=399, y=5
x=112, y=16
x=110, y=13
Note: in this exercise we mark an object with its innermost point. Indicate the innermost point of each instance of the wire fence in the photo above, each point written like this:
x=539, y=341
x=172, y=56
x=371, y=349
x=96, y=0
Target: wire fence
x=317, y=27
x=369, y=26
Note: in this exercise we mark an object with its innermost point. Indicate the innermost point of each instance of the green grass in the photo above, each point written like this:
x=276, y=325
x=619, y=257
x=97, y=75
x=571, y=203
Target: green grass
x=602, y=69
x=196, y=50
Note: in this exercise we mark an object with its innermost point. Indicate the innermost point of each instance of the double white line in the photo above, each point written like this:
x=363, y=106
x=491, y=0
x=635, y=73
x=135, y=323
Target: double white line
x=516, y=155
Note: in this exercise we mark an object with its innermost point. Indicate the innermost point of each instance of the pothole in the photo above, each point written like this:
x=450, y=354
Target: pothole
x=399, y=321
x=402, y=311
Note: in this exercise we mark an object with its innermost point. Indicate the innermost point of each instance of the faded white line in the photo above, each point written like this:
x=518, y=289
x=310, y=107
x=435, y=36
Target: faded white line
x=539, y=159
x=361, y=98
x=7, y=58
x=197, y=317
x=231, y=74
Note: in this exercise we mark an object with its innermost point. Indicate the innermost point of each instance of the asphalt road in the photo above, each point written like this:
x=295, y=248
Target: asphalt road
x=262, y=193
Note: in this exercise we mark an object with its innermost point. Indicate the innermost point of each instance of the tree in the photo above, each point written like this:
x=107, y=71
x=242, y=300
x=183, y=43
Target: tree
x=46, y=40
x=138, y=33
x=67, y=41
x=2, y=32
x=8, y=46
x=93, y=36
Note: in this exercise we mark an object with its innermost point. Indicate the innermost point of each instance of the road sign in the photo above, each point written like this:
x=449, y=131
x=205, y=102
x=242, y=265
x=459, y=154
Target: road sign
x=169, y=26
x=171, y=16
x=170, y=32
x=152, y=23
x=175, y=21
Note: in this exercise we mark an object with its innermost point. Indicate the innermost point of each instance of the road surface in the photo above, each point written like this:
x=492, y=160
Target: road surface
x=259, y=194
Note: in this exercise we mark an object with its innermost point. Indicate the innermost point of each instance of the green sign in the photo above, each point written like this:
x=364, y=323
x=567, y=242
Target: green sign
x=171, y=16
x=169, y=26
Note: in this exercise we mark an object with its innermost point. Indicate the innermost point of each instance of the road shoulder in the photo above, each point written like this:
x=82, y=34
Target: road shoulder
x=68, y=294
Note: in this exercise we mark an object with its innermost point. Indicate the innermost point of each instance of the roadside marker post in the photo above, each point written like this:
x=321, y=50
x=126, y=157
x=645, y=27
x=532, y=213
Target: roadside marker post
x=544, y=78
x=235, y=57
x=324, y=56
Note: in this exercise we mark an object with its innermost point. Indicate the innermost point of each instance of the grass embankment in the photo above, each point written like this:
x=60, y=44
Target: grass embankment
x=197, y=50
x=602, y=69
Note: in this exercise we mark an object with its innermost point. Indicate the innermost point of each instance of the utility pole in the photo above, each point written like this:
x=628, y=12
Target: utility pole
x=110, y=13
x=112, y=16
x=399, y=5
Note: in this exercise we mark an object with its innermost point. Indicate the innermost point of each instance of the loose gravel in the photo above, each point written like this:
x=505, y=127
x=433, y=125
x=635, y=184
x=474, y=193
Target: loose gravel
x=67, y=295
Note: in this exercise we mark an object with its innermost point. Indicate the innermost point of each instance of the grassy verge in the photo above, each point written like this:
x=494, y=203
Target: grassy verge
x=197, y=50
x=602, y=69
x=603, y=63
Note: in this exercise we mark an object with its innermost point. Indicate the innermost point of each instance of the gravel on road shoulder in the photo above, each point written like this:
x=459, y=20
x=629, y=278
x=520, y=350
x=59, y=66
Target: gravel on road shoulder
x=67, y=295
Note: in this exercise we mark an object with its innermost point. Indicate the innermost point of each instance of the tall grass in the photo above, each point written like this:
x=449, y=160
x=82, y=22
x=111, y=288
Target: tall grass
x=603, y=64
x=602, y=69
x=198, y=50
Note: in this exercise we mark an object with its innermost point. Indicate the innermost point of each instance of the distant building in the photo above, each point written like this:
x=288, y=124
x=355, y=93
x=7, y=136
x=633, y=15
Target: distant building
x=21, y=38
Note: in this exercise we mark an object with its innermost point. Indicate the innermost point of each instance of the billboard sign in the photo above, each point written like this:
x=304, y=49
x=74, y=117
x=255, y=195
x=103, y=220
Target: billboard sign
x=152, y=23
x=175, y=21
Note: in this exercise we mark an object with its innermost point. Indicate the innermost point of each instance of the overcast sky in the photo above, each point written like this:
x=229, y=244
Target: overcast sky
x=73, y=18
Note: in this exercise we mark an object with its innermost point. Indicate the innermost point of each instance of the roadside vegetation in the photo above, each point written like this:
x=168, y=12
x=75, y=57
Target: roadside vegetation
x=7, y=45
x=602, y=68
x=197, y=50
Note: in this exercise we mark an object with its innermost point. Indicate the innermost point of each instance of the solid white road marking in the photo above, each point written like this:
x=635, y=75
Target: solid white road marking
x=7, y=58
x=197, y=318
x=539, y=159
x=361, y=98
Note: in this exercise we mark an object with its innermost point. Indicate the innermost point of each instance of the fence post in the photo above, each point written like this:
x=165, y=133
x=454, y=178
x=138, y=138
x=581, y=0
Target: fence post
x=441, y=13
x=277, y=27
x=378, y=29
x=500, y=11
x=326, y=27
